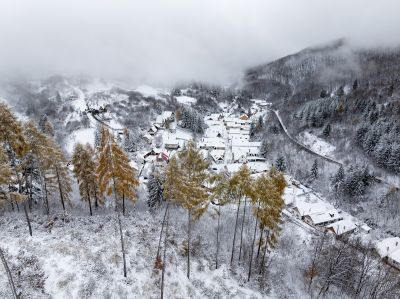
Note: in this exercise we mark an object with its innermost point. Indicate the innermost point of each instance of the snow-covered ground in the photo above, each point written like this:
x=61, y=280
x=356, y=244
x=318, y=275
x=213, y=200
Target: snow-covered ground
x=149, y=91
x=317, y=144
x=83, y=136
x=186, y=100
x=80, y=257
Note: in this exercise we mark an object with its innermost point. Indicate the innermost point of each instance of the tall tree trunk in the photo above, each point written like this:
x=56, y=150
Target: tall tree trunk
x=123, y=203
x=46, y=200
x=164, y=255
x=265, y=253
x=216, y=254
x=96, y=204
x=28, y=190
x=234, y=233
x=259, y=242
x=254, y=240
x=188, y=247
x=10, y=279
x=241, y=231
x=162, y=229
x=27, y=219
x=122, y=244
x=60, y=189
x=90, y=202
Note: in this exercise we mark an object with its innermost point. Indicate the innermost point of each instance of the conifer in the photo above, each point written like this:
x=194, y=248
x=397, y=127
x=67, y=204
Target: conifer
x=85, y=172
x=115, y=174
x=11, y=132
x=187, y=187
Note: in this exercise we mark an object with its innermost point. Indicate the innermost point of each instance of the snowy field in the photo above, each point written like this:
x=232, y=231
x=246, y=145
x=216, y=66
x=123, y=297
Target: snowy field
x=80, y=257
x=317, y=144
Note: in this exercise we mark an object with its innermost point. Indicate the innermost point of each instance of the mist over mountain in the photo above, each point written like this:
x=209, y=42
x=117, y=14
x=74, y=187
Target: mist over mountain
x=163, y=43
x=199, y=149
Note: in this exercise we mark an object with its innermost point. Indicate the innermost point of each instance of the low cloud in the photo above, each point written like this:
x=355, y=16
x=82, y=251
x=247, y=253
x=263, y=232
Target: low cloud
x=165, y=42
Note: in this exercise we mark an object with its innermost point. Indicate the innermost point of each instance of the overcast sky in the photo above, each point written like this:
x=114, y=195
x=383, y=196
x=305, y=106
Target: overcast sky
x=166, y=41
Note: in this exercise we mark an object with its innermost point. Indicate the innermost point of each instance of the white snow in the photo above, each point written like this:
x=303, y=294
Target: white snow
x=186, y=100
x=317, y=144
x=79, y=136
x=149, y=91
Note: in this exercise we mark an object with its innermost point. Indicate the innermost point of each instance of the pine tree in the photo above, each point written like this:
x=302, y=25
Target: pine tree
x=270, y=193
x=97, y=135
x=115, y=174
x=11, y=133
x=280, y=164
x=314, y=171
x=45, y=125
x=340, y=92
x=267, y=201
x=155, y=190
x=338, y=178
x=355, y=84
x=41, y=154
x=5, y=176
x=129, y=141
x=327, y=130
x=264, y=149
x=193, y=195
x=85, y=171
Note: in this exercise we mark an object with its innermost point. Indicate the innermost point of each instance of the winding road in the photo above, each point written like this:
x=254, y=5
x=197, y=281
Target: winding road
x=307, y=149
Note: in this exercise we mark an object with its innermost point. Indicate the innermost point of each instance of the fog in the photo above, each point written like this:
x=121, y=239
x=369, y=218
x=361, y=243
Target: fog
x=165, y=42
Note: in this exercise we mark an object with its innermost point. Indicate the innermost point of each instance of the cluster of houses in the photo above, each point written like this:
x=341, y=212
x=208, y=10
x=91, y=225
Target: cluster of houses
x=320, y=214
x=227, y=139
x=309, y=208
x=163, y=121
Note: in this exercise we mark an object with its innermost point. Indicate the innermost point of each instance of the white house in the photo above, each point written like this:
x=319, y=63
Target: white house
x=239, y=156
x=342, y=227
x=394, y=259
x=387, y=246
x=212, y=144
x=152, y=131
x=171, y=143
x=164, y=117
x=323, y=218
x=302, y=208
x=218, y=156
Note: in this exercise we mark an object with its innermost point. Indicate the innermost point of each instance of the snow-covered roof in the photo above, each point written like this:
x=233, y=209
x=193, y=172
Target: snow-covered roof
x=212, y=142
x=159, y=119
x=235, y=131
x=365, y=227
x=343, y=226
x=387, y=246
x=217, y=154
x=322, y=217
x=307, y=208
x=245, y=143
x=171, y=140
x=167, y=114
x=395, y=255
x=153, y=129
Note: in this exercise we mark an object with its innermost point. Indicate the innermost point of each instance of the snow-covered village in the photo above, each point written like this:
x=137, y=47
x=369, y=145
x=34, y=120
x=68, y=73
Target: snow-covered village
x=163, y=157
